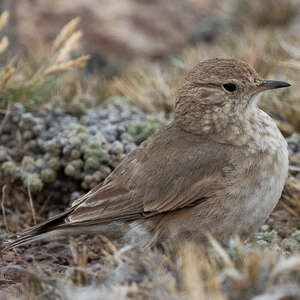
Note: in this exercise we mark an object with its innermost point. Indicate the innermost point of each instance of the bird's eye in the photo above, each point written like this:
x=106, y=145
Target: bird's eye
x=230, y=87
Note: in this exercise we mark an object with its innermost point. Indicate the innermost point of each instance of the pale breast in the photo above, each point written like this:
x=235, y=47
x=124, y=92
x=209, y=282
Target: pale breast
x=260, y=173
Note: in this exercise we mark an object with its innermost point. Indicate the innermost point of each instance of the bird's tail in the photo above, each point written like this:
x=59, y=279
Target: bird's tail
x=42, y=230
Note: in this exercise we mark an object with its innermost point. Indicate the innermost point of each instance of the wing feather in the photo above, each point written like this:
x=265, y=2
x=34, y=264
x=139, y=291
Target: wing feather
x=171, y=170
x=146, y=183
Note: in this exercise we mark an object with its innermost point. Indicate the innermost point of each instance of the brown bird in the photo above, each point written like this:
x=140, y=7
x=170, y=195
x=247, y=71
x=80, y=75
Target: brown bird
x=218, y=167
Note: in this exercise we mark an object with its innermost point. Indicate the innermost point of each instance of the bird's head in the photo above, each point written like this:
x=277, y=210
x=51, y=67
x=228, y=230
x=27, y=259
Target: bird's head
x=219, y=86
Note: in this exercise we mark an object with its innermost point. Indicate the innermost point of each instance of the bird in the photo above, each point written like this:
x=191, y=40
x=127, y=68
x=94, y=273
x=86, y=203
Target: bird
x=218, y=168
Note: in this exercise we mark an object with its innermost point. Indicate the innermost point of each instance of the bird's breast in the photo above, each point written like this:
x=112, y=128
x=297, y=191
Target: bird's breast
x=259, y=174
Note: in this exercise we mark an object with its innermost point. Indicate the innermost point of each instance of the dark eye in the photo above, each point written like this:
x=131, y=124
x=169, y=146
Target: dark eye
x=230, y=87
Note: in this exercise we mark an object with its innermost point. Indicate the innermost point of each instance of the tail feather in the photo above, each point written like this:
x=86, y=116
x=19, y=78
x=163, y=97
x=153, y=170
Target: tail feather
x=57, y=226
x=40, y=231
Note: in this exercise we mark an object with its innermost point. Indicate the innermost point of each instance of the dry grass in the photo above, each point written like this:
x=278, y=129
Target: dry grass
x=147, y=85
x=237, y=272
x=33, y=83
x=291, y=196
x=153, y=87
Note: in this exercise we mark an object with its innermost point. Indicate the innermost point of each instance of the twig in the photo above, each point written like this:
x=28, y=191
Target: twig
x=294, y=168
x=3, y=208
x=31, y=205
x=5, y=117
x=290, y=210
x=4, y=111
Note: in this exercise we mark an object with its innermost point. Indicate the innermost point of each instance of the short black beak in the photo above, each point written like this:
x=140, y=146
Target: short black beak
x=272, y=84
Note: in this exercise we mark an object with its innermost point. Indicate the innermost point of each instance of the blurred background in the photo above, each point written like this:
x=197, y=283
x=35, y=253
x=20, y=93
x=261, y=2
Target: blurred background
x=149, y=29
x=157, y=37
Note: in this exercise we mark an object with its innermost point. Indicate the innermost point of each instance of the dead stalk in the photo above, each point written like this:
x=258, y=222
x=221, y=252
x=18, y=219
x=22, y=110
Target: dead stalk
x=7, y=112
x=3, y=208
x=290, y=210
x=31, y=205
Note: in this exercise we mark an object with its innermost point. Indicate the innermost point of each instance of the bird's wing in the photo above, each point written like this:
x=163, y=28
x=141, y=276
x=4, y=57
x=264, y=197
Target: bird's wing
x=171, y=170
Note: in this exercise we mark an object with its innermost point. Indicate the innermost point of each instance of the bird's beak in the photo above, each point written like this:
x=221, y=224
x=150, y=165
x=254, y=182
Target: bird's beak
x=271, y=84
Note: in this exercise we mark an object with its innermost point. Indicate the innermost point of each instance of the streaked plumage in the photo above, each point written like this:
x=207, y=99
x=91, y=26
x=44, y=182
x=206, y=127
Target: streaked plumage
x=219, y=167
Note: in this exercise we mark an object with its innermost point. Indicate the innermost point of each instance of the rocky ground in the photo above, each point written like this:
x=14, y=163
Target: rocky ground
x=55, y=150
